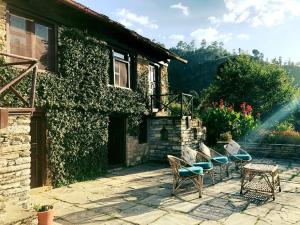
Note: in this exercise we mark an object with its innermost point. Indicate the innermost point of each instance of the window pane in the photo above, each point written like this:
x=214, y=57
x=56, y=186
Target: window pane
x=19, y=33
x=117, y=67
x=31, y=39
x=117, y=79
x=43, y=47
x=124, y=75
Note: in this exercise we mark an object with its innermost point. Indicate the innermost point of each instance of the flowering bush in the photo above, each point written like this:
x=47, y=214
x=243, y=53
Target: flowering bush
x=220, y=118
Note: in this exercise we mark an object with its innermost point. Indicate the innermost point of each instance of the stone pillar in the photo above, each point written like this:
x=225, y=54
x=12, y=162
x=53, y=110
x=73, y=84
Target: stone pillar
x=15, y=160
x=170, y=135
x=136, y=153
x=2, y=25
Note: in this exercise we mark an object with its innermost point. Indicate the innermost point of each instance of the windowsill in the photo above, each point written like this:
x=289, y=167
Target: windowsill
x=116, y=86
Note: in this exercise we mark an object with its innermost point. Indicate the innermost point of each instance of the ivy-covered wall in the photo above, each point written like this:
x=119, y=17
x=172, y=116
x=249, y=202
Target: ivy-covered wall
x=78, y=102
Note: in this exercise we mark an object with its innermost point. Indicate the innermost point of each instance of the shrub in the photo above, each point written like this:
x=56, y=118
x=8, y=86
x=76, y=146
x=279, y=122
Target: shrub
x=220, y=118
x=282, y=137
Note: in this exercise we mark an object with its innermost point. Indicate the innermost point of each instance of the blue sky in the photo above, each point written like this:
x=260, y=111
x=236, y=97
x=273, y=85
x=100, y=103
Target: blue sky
x=271, y=26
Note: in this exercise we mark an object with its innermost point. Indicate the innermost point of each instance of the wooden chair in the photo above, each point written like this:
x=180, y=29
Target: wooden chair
x=195, y=158
x=183, y=172
x=216, y=158
x=237, y=155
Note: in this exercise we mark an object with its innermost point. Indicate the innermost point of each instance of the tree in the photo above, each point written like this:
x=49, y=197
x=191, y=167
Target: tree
x=202, y=65
x=244, y=79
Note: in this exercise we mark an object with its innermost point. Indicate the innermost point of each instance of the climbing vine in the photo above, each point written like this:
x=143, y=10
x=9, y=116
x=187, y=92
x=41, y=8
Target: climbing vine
x=78, y=101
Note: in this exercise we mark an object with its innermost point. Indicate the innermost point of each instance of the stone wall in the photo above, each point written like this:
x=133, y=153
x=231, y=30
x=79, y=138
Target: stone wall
x=279, y=151
x=15, y=160
x=169, y=135
x=2, y=25
x=136, y=153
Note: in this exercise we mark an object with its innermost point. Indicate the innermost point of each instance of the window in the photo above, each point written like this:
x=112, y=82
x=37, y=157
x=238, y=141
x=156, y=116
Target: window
x=32, y=39
x=121, y=69
x=153, y=79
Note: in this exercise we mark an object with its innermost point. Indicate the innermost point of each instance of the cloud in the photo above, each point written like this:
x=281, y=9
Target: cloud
x=140, y=31
x=266, y=13
x=243, y=36
x=210, y=34
x=213, y=20
x=128, y=19
x=176, y=37
x=184, y=9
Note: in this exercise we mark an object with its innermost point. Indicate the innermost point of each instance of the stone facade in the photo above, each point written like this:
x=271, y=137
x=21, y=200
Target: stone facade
x=2, y=25
x=15, y=161
x=169, y=135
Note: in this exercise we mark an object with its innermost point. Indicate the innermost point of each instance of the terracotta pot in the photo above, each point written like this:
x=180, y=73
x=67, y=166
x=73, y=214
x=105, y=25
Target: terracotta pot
x=45, y=218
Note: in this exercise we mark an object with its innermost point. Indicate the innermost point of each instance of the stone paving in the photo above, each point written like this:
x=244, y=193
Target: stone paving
x=141, y=195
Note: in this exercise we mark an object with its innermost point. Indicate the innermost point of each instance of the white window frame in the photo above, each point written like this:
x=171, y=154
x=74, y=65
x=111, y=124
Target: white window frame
x=115, y=57
x=156, y=69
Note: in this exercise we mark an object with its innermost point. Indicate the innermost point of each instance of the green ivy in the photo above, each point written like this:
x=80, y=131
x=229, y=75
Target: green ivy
x=78, y=102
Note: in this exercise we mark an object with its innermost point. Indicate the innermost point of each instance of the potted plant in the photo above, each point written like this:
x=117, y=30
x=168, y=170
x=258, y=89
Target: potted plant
x=45, y=214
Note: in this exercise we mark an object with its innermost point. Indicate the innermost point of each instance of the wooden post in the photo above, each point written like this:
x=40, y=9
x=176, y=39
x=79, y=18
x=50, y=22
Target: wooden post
x=181, y=103
x=33, y=86
x=3, y=118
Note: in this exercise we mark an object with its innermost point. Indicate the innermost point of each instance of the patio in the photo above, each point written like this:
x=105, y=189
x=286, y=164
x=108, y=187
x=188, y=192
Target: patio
x=141, y=195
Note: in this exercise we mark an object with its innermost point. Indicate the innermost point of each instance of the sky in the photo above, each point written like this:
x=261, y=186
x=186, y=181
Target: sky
x=271, y=26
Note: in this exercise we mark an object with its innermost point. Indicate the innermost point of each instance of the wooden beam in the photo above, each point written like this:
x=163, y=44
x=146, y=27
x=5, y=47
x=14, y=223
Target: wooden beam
x=19, y=57
x=33, y=86
x=16, y=63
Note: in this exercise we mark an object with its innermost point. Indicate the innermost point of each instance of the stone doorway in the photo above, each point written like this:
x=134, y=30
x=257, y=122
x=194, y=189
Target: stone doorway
x=117, y=141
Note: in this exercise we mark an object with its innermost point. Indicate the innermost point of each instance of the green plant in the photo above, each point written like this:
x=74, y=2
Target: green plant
x=42, y=208
x=221, y=118
x=284, y=126
x=264, y=86
x=226, y=136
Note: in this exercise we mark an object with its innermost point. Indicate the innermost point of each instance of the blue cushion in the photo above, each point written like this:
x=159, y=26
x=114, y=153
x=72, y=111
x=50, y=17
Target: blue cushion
x=185, y=173
x=243, y=157
x=221, y=159
x=204, y=165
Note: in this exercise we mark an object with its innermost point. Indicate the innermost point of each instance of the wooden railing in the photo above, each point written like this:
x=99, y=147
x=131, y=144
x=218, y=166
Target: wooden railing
x=28, y=65
x=175, y=104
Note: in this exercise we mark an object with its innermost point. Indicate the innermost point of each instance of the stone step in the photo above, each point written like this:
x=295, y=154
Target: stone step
x=16, y=215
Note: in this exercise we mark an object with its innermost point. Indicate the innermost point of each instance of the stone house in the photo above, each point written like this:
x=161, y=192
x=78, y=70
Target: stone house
x=30, y=31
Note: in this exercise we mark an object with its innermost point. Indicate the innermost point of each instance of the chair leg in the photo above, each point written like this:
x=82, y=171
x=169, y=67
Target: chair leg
x=212, y=175
x=227, y=170
x=200, y=184
x=221, y=172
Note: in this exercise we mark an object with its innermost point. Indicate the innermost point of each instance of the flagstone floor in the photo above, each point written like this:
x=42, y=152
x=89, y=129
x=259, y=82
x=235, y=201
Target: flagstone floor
x=141, y=195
